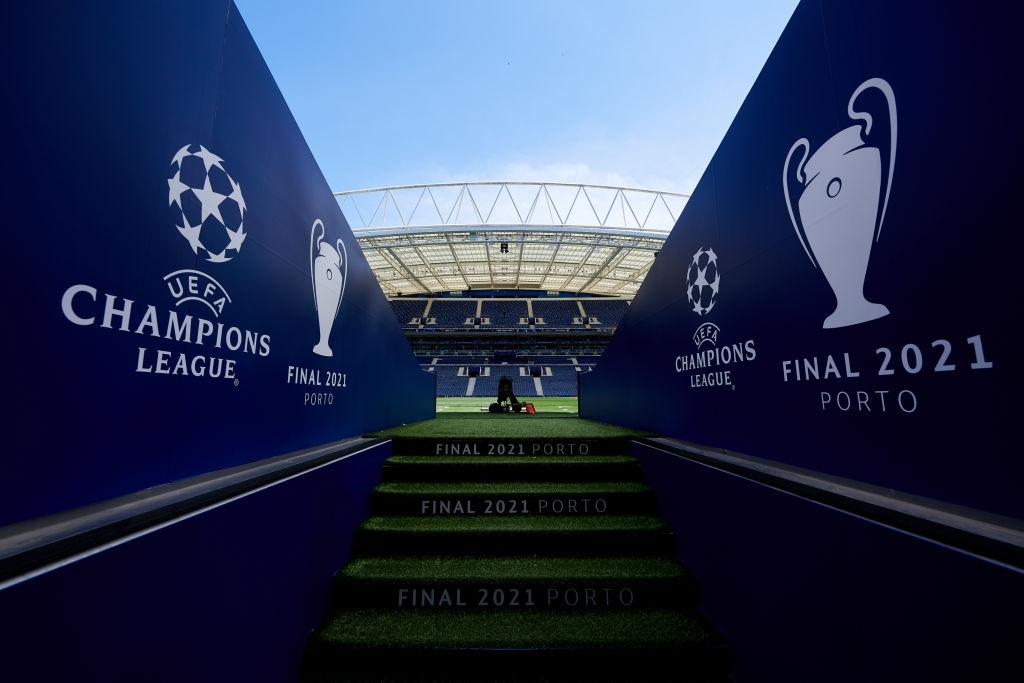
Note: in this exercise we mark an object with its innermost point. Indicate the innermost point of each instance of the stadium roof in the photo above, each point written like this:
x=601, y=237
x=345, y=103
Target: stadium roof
x=459, y=237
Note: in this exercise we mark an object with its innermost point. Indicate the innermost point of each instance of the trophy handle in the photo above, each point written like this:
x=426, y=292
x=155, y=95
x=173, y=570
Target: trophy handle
x=882, y=86
x=343, y=268
x=314, y=250
x=802, y=142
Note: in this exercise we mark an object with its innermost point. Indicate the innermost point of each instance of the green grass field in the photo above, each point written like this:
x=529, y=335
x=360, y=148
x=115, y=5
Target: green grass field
x=564, y=405
x=462, y=417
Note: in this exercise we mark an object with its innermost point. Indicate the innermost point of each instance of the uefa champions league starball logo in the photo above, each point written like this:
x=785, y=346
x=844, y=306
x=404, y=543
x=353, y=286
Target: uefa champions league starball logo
x=206, y=204
x=702, y=280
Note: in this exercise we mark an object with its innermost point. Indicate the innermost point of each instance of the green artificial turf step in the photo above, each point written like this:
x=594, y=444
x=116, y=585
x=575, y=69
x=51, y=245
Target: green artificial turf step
x=514, y=560
x=516, y=645
x=474, y=535
x=496, y=446
x=512, y=498
x=438, y=468
x=525, y=583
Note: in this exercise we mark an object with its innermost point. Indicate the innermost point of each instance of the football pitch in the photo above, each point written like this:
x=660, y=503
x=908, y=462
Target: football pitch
x=566, y=405
x=469, y=417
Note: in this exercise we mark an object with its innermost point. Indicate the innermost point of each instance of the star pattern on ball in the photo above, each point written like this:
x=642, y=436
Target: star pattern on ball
x=191, y=234
x=210, y=201
x=703, y=281
x=208, y=212
x=209, y=158
x=176, y=188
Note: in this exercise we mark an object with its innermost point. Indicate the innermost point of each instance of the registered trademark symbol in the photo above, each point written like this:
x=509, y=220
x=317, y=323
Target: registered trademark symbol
x=236, y=382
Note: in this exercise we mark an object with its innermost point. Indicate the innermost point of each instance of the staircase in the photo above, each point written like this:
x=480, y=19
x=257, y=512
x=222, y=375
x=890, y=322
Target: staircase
x=483, y=561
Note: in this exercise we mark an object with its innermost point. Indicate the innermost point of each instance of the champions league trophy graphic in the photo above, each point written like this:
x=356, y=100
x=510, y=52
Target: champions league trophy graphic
x=838, y=217
x=329, y=269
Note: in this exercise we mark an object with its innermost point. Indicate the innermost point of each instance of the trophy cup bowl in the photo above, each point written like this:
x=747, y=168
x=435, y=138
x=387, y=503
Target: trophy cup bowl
x=838, y=211
x=328, y=267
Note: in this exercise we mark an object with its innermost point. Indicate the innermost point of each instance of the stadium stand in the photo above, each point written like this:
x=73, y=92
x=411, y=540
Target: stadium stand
x=608, y=312
x=450, y=382
x=452, y=314
x=504, y=312
x=557, y=313
x=562, y=382
x=488, y=385
x=410, y=312
x=545, y=359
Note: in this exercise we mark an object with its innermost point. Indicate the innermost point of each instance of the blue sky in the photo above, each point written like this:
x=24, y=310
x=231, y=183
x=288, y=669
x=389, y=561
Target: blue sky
x=395, y=92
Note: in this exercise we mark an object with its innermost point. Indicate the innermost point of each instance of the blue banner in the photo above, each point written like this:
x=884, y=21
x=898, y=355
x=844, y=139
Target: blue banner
x=841, y=291
x=186, y=294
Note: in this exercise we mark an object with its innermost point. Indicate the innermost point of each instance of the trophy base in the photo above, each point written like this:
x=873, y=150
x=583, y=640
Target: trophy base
x=845, y=316
x=322, y=349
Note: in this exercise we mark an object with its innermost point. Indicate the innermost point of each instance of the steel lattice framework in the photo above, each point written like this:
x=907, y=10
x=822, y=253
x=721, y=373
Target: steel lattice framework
x=459, y=237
